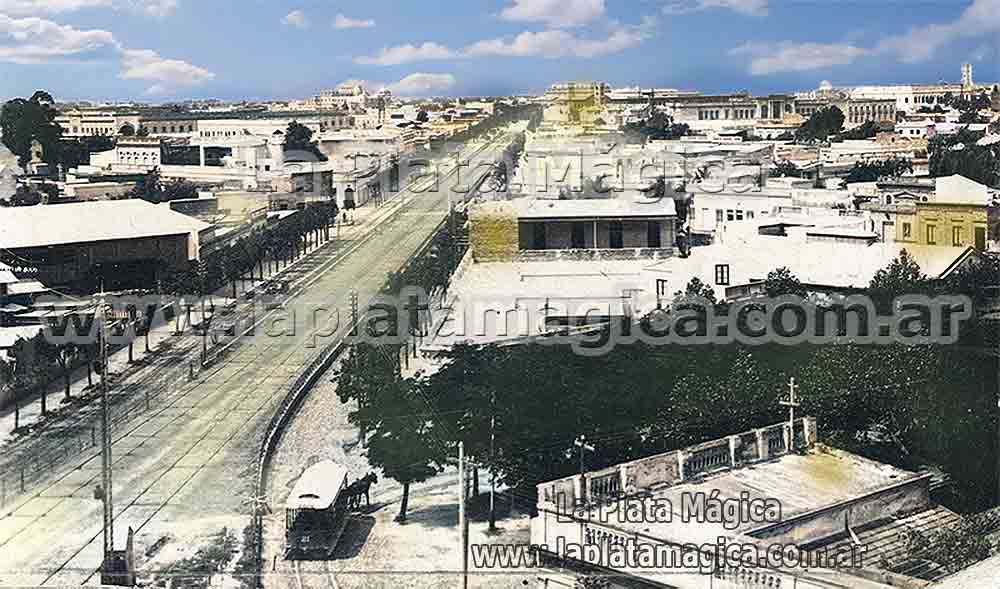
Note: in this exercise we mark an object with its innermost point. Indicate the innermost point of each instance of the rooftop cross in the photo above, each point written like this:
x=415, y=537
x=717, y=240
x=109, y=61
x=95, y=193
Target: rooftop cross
x=792, y=402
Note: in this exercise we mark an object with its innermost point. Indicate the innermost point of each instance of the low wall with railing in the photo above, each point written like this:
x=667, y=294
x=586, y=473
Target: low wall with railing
x=677, y=466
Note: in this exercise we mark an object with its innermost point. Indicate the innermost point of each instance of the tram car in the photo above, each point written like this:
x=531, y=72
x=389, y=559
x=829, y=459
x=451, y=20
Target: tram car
x=316, y=512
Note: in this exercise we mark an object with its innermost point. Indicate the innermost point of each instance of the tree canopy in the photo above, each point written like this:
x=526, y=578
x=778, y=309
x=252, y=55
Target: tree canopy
x=25, y=120
x=823, y=123
x=873, y=171
x=299, y=142
x=958, y=153
x=657, y=126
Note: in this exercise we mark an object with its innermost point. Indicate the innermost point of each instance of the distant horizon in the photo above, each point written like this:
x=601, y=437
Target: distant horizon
x=148, y=102
x=161, y=51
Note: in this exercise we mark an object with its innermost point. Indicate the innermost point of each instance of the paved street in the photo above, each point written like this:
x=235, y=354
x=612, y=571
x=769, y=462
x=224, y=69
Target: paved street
x=183, y=469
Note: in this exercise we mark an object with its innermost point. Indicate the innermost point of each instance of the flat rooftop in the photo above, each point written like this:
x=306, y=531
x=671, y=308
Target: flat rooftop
x=800, y=482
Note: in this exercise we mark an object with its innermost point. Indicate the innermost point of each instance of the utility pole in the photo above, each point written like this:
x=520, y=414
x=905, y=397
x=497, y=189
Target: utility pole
x=109, y=533
x=463, y=521
x=581, y=443
x=792, y=402
x=493, y=478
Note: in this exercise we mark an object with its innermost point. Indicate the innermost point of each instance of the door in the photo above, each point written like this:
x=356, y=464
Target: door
x=980, y=233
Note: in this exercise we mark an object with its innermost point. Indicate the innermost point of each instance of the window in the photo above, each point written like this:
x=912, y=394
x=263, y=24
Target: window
x=956, y=236
x=722, y=274
x=538, y=236
x=653, y=235
x=661, y=287
x=931, y=235
x=615, y=235
x=578, y=236
x=718, y=216
x=907, y=231
x=739, y=215
x=749, y=214
x=730, y=215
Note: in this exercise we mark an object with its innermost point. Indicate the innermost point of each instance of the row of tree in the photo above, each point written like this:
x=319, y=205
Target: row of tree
x=34, y=363
x=37, y=362
x=900, y=403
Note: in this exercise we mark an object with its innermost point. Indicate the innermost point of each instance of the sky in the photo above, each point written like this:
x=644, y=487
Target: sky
x=162, y=50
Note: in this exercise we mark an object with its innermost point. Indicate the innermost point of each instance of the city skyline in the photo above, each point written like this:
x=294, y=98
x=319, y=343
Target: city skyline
x=162, y=50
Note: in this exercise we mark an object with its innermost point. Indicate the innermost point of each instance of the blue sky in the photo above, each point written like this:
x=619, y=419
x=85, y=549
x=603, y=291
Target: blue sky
x=156, y=50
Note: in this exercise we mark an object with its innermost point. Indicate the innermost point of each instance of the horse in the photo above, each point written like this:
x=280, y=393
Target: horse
x=361, y=487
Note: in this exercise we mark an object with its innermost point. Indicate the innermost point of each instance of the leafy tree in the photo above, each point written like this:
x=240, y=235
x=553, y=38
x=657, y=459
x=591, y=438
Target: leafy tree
x=179, y=189
x=902, y=276
x=867, y=130
x=149, y=188
x=821, y=125
x=969, y=107
x=958, y=153
x=422, y=116
x=658, y=126
x=63, y=355
x=695, y=288
x=402, y=439
x=76, y=152
x=873, y=171
x=782, y=282
x=23, y=121
x=299, y=138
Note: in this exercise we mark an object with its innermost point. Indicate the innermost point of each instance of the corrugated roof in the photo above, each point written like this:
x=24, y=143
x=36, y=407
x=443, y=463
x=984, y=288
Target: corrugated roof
x=44, y=225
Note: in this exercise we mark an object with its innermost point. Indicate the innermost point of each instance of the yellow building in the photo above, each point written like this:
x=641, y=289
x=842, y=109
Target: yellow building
x=955, y=215
x=574, y=104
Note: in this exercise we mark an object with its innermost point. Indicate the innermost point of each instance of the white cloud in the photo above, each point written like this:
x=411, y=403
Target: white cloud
x=35, y=40
x=155, y=8
x=343, y=22
x=550, y=43
x=295, y=18
x=558, y=43
x=770, y=58
x=980, y=19
x=422, y=84
x=146, y=65
x=747, y=7
x=407, y=54
x=554, y=13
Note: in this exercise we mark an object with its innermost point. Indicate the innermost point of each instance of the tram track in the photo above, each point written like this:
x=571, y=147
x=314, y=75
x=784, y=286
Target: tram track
x=270, y=366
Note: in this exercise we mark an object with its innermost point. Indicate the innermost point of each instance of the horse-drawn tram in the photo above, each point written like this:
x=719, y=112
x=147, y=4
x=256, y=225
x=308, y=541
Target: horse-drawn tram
x=316, y=512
